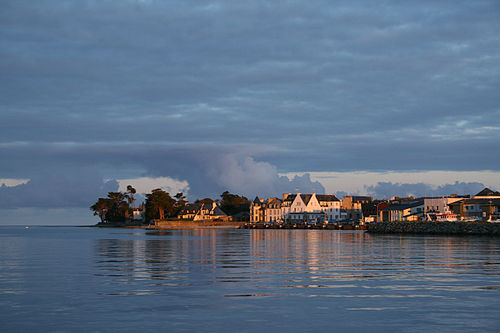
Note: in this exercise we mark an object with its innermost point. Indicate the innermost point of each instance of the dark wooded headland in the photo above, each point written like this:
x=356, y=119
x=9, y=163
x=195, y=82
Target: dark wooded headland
x=118, y=209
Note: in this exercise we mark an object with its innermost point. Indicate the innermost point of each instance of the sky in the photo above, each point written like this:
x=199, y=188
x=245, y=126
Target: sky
x=254, y=97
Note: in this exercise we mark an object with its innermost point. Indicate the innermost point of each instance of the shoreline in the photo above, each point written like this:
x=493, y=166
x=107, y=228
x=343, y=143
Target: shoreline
x=405, y=227
x=183, y=224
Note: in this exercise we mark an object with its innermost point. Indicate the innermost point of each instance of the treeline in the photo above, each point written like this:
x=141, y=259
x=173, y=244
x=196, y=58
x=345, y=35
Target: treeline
x=117, y=207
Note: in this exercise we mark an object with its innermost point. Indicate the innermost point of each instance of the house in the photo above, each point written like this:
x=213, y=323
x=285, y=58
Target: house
x=402, y=211
x=272, y=211
x=353, y=205
x=331, y=206
x=210, y=212
x=483, y=206
x=370, y=210
x=487, y=194
x=323, y=206
x=307, y=217
x=326, y=205
x=266, y=210
x=138, y=213
x=189, y=211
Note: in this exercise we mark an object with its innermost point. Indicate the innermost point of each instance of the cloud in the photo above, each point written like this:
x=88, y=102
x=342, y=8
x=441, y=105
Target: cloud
x=242, y=174
x=341, y=83
x=230, y=95
x=12, y=182
x=199, y=172
x=146, y=184
x=72, y=188
x=210, y=172
x=389, y=189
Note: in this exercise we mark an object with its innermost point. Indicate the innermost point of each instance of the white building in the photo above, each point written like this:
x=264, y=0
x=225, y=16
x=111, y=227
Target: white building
x=326, y=204
x=209, y=212
x=322, y=207
x=439, y=205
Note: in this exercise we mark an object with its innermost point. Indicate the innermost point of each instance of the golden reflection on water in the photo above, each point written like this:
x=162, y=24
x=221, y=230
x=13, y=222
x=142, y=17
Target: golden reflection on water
x=328, y=260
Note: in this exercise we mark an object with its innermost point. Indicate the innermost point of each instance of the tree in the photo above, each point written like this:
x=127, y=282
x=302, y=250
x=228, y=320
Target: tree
x=114, y=208
x=131, y=192
x=120, y=208
x=157, y=203
x=233, y=204
x=101, y=207
x=181, y=200
x=206, y=201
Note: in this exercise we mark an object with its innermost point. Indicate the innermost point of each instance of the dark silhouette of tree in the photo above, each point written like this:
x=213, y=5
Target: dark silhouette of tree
x=233, y=204
x=131, y=192
x=159, y=202
x=114, y=208
x=206, y=201
x=181, y=200
x=101, y=207
x=120, y=208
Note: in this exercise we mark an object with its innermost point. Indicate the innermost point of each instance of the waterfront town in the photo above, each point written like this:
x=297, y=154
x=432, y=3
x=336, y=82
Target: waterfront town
x=298, y=209
x=359, y=210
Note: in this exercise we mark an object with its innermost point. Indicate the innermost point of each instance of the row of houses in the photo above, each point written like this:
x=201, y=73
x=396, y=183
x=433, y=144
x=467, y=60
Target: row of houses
x=202, y=212
x=194, y=212
x=309, y=208
x=321, y=208
x=484, y=206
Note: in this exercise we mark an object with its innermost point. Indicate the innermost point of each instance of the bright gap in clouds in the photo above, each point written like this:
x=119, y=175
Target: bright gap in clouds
x=11, y=182
x=145, y=185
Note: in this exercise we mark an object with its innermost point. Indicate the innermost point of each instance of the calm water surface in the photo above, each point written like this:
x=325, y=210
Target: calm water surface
x=56, y=279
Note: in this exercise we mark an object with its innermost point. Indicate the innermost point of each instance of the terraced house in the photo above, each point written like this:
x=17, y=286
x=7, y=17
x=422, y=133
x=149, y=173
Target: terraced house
x=297, y=208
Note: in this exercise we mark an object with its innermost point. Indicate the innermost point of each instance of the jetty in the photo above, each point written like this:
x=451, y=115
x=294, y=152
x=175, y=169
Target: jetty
x=436, y=228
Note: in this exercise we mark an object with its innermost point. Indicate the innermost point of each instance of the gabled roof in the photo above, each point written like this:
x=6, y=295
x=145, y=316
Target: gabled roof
x=256, y=200
x=326, y=197
x=306, y=198
x=213, y=210
x=477, y=201
x=217, y=212
x=273, y=200
x=190, y=208
x=487, y=193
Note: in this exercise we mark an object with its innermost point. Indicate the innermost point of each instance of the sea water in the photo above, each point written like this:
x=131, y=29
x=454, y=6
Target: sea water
x=74, y=279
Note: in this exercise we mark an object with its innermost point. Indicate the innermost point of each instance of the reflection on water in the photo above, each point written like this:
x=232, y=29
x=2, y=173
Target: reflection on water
x=247, y=280
x=299, y=259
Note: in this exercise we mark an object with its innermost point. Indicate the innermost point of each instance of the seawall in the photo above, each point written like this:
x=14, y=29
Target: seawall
x=183, y=224
x=436, y=228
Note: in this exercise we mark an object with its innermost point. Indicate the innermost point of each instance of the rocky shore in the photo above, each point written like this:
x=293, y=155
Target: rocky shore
x=436, y=228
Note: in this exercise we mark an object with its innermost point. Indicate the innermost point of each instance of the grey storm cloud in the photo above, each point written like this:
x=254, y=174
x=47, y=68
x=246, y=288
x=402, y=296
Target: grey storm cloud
x=227, y=94
x=73, y=176
x=77, y=187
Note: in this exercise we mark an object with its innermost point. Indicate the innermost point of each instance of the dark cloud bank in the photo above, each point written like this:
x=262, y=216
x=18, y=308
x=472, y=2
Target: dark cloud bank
x=227, y=94
x=79, y=181
x=388, y=189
